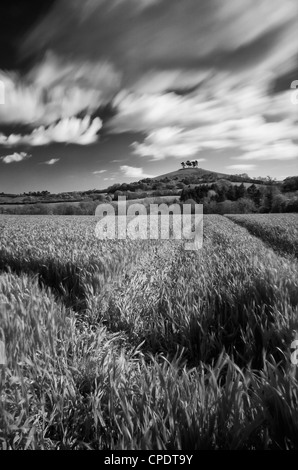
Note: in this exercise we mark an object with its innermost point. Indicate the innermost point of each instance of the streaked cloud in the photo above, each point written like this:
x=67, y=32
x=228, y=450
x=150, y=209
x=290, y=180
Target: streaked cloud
x=168, y=142
x=99, y=172
x=56, y=89
x=71, y=130
x=241, y=118
x=280, y=150
x=141, y=36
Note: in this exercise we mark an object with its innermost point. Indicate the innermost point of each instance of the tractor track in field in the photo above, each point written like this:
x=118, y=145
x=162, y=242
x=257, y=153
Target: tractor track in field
x=132, y=297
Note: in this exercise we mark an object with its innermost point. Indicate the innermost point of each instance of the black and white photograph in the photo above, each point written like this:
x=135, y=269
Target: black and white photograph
x=148, y=227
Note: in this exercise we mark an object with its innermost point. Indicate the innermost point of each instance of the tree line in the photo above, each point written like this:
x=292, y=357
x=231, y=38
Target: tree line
x=234, y=199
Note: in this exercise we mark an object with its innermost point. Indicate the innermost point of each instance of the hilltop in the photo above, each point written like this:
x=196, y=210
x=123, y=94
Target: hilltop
x=192, y=172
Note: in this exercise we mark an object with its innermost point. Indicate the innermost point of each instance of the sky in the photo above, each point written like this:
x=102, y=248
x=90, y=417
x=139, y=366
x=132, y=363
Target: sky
x=98, y=92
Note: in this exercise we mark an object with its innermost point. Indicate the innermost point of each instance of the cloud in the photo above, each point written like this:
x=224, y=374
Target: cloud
x=147, y=35
x=57, y=89
x=99, y=172
x=15, y=157
x=145, y=112
x=169, y=142
x=240, y=166
x=133, y=172
x=280, y=150
x=221, y=115
x=192, y=76
x=142, y=112
x=72, y=130
x=52, y=161
x=23, y=101
x=91, y=7
x=160, y=81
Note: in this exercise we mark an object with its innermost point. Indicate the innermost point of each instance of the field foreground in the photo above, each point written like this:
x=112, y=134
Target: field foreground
x=143, y=345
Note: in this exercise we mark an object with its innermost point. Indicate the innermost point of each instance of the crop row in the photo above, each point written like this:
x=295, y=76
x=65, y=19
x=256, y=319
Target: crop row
x=279, y=231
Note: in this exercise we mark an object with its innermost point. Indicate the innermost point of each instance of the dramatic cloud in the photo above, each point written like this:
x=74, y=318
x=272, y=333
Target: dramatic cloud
x=56, y=89
x=15, y=157
x=142, y=36
x=72, y=130
x=193, y=77
x=133, y=172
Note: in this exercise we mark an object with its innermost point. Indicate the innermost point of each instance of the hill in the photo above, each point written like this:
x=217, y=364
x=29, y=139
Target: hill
x=199, y=184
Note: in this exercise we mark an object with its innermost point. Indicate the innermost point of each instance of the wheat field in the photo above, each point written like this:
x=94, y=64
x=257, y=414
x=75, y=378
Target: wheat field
x=143, y=345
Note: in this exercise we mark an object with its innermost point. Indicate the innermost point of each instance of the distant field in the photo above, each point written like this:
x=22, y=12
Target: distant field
x=143, y=345
x=149, y=200
x=49, y=204
x=278, y=230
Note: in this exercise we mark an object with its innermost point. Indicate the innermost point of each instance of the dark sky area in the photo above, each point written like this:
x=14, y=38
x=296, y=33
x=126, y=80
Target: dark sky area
x=17, y=17
x=96, y=92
